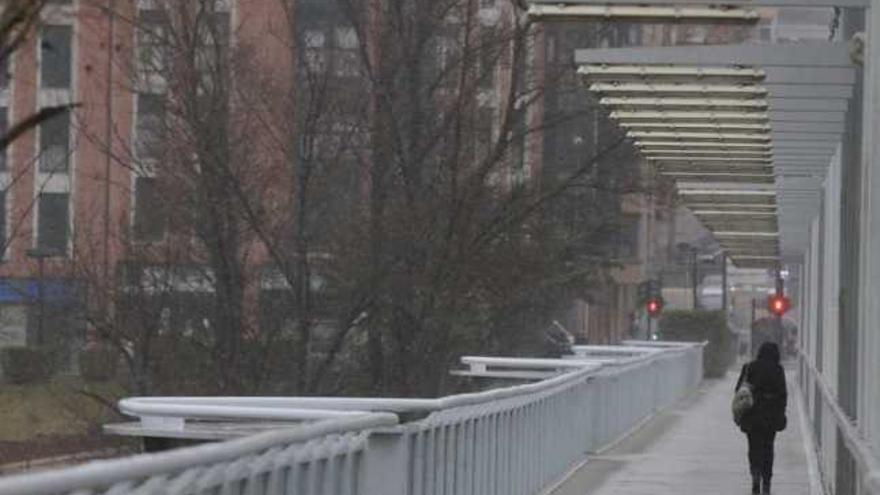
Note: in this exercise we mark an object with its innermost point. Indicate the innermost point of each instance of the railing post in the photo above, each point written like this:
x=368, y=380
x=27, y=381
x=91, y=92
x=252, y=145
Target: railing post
x=386, y=464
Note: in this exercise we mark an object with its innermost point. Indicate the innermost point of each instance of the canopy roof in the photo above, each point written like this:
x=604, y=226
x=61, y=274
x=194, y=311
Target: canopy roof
x=746, y=131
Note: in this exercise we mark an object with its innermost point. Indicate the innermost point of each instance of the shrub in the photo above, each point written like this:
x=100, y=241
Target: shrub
x=24, y=365
x=98, y=363
x=181, y=366
x=701, y=326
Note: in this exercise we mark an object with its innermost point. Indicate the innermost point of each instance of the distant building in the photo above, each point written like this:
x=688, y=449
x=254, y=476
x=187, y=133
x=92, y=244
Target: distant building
x=81, y=193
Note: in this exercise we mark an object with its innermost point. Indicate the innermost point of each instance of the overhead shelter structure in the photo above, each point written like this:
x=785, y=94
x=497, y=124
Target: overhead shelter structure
x=746, y=131
x=776, y=148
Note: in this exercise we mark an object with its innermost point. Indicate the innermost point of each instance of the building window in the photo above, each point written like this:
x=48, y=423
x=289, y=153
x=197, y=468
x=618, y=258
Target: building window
x=628, y=238
x=214, y=38
x=55, y=143
x=4, y=126
x=53, y=222
x=315, y=54
x=489, y=56
x=3, y=237
x=150, y=221
x=485, y=129
x=5, y=74
x=55, y=61
x=152, y=45
x=347, y=55
x=150, y=125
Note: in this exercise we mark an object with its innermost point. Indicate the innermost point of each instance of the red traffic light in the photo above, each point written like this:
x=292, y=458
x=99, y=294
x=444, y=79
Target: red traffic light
x=654, y=307
x=778, y=304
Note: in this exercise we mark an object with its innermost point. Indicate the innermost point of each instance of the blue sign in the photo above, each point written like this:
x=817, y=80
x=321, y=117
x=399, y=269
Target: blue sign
x=28, y=291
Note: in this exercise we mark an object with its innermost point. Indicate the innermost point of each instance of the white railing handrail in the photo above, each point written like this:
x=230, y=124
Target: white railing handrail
x=614, y=349
x=220, y=407
x=534, y=363
x=579, y=408
x=669, y=344
x=855, y=442
x=245, y=412
x=106, y=473
x=177, y=406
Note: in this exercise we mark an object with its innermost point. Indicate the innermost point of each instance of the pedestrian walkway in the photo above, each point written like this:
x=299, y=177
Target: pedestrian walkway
x=693, y=449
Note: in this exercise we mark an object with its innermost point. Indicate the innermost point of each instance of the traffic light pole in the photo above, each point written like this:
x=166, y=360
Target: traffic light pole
x=780, y=292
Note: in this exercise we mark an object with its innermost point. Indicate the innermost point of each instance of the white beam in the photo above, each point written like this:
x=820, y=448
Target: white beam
x=735, y=213
x=806, y=54
x=702, y=90
x=700, y=144
x=707, y=160
x=733, y=234
x=635, y=13
x=744, y=3
x=741, y=206
x=726, y=127
x=718, y=136
x=728, y=192
x=699, y=116
x=630, y=13
x=654, y=71
x=749, y=103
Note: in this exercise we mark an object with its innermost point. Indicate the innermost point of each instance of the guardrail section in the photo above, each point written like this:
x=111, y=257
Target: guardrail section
x=837, y=436
x=514, y=440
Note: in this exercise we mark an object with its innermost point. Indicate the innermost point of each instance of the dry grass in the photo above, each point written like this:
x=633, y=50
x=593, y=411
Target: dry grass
x=58, y=408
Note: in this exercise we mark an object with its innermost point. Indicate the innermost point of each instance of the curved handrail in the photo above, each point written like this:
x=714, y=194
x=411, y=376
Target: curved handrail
x=615, y=349
x=107, y=473
x=153, y=406
x=863, y=455
x=228, y=411
x=535, y=363
x=219, y=406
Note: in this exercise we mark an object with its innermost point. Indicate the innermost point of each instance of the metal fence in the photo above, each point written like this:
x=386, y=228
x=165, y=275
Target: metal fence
x=848, y=463
x=511, y=440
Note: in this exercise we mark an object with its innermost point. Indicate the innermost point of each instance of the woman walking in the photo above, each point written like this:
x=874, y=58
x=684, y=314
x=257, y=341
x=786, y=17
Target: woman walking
x=766, y=417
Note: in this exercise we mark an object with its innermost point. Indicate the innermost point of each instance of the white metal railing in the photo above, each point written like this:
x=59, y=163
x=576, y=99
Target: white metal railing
x=303, y=457
x=524, y=443
x=506, y=441
x=866, y=462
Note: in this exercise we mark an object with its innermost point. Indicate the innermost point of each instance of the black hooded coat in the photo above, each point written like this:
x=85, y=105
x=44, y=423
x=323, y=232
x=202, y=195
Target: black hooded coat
x=768, y=389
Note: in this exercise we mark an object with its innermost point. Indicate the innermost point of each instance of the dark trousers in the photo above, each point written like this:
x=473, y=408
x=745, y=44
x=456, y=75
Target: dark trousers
x=761, y=453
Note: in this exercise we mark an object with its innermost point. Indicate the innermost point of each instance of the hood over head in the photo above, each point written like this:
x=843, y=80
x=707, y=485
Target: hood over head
x=769, y=351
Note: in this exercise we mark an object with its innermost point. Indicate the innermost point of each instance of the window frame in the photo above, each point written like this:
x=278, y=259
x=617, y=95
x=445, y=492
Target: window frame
x=41, y=232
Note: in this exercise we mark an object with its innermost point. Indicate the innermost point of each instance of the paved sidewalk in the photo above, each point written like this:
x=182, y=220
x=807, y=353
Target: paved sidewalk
x=692, y=449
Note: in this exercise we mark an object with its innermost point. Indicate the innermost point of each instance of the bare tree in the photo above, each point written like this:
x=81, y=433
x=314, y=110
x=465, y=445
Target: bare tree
x=365, y=202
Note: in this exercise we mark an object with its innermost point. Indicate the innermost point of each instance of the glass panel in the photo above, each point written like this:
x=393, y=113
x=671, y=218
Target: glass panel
x=149, y=214
x=2, y=223
x=4, y=72
x=4, y=126
x=150, y=125
x=55, y=61
x=151, y=42
x=628, y=238
x=55, y=143
x=53, y=228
